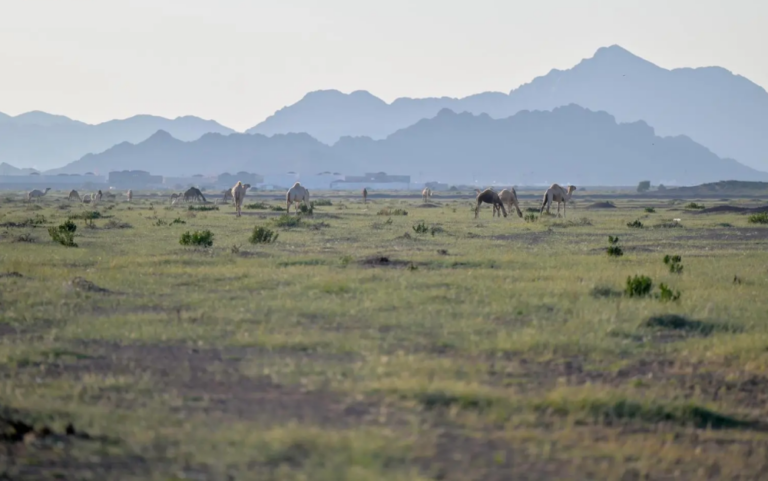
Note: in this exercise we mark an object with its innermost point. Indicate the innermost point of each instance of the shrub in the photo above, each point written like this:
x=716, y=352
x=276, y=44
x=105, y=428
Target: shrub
x=88, y=217
x=530, y=217
x=197, y=238
x=638, y=286
x=674, y=264
x=160, y=223
x=421, y=228
x=306, y=209
x=390, y=212
x=761, y=218
x=650, y=210
x=64, y=234
x=321, y=203
x=693, y=205
x=636, y=224
x=262, y=235
x=613, y=249
x=277, y=208
x=666, y=294
x=286, y=220
x=202, y=208
x=178, y=220
x=256, y=206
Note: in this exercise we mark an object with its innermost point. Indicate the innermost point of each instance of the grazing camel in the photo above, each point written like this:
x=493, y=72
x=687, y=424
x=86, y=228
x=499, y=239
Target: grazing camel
x=509, y=198
x=73, y=195
x=365, y=195
x=130, y=195
x=193, y=193
x=238, y=194
x=558, y=194
x=296, y=194
x=227, y=195
x=426, y=194
x=489, y=197
x=175, y=196
x=36, y=194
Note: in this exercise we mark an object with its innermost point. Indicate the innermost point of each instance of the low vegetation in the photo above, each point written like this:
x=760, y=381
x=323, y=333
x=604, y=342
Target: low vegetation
x=390, y=212
x=759, y=218
x=202, y=208
x=636, y=224
x=197, y=238
x=674, y=263
x=263, y=235
x=64, y=234
x=614, y=249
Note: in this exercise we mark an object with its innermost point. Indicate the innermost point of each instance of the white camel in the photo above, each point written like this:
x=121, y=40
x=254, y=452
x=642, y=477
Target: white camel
x=558, y=194
x=36, y=194
x=129, y=195
x=73, y=195
x=509, y=198
x=426, y=194
x=296, y=194
x=238, y=194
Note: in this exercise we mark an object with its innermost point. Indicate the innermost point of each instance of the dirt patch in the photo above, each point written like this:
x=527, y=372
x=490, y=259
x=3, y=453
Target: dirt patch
x=84, y=285
x=601, y=205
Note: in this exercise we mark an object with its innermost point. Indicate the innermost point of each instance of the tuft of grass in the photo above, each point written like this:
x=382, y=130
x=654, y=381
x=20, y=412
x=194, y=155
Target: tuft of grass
x=262, y=235
x=650, y=210
x=202, y=208
x=304, y=209
x=694, y=206
x=257, y=206
x=666, y=294
x=197, y=238
x=760, y=218
x=530, y=217
x=287, y=221
x=421, y=228
x=390, y=212
x=673, y=262
x=613, y=249
x=636, y=224
x=88, y=217
x=277, y=208
x=638, y=286
x=64, y=234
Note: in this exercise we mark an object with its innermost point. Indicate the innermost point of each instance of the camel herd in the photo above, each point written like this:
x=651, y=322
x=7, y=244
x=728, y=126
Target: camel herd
x=298, y=194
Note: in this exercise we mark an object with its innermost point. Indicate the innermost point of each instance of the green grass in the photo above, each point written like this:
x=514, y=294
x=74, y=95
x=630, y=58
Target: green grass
x=493, y=349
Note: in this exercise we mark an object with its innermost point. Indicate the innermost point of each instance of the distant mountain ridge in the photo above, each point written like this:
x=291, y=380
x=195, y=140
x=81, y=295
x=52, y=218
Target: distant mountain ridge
x=567, y=144
x=46, y=141
x=725, y=112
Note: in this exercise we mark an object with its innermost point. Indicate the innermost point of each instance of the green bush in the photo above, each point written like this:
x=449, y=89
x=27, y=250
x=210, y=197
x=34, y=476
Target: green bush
x=277, y=208
x=64, y=234
x=613, y=249
x=421, y=228
x=197, y=238
x=390, y=212
x=650, y=210
x=286, y=220
x=530, y=217
x=638, y=286
x=694, y=205
x=256, y=206
x=636, y=224
x=262, y=235
x=666, y=294
x=306, y=210
x=202, y=208
x=675, y=267
x=760, y=218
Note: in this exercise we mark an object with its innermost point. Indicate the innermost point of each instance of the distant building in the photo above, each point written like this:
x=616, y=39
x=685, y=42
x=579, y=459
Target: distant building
x=186, y=182
x=379, y=180
x=134, y=179
x=228, y=180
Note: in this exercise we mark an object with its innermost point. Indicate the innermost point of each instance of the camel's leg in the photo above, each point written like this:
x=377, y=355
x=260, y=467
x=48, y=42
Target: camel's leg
x=564, y=205
x=477, y=208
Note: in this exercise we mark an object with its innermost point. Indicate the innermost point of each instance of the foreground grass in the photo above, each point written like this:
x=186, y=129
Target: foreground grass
x=481, y=349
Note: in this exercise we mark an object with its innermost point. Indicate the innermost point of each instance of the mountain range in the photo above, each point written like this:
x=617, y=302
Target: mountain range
x=47, y=141
x=567, y=144
x=725, y=112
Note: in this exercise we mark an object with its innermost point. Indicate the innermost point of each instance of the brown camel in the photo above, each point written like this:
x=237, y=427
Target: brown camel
x=489, y=197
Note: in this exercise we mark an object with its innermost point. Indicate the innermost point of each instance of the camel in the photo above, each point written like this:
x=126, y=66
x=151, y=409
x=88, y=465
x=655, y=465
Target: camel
x=99, y=195
x=426, y=194
x=365, y=195
x=558, y=194
x=238, y=194
x=228, y=194
x=488, y=196
x=36, y=194
x=73, y=195
x=296, y=194
x=193, y=193
x=130, y=195
x=175, y=196
x=509, y=198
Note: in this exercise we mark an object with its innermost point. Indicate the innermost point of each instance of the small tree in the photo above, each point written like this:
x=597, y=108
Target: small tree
x=644, y=186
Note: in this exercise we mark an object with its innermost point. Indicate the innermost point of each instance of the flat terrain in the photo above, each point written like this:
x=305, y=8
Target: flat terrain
x=355, y=348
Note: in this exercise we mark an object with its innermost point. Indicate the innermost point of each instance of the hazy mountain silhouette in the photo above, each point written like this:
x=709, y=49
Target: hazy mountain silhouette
x=44, y=140
x=8, y=169
x=568, y=144
x=725, y=112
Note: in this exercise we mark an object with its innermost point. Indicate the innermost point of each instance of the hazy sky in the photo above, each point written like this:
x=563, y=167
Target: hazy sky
x=237, y=61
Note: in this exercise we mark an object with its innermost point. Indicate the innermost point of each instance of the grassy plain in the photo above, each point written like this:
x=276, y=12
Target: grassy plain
x=483, y=349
